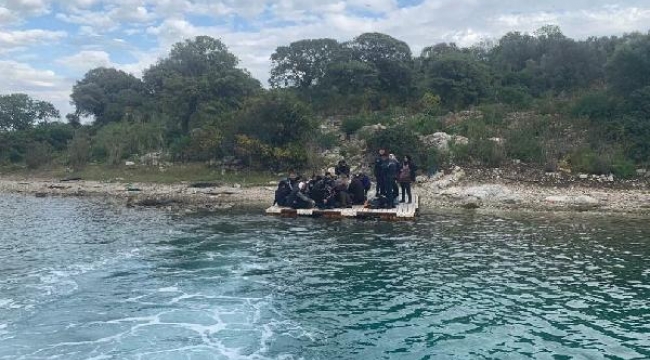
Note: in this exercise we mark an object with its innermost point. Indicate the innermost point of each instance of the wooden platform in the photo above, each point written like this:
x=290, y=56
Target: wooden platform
x=400, y=212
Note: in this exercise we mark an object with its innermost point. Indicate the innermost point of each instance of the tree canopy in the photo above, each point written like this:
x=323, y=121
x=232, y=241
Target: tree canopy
x=200, y=75
x=21, y=112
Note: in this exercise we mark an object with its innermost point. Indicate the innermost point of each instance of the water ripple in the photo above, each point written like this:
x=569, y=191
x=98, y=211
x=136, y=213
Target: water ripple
x=79, y=280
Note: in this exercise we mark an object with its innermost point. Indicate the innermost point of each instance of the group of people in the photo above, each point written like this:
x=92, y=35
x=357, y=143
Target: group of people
x=341, y=190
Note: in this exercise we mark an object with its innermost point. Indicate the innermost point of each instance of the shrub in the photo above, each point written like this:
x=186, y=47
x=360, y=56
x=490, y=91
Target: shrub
x=79, y=150
x=399, y=141
x=486, y=152
x=326, y=140
x=459, y=153
x=424, y=124
x=352, y=124
x=38, y=154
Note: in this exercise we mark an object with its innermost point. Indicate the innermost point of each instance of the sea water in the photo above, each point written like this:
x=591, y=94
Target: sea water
x=80, y=279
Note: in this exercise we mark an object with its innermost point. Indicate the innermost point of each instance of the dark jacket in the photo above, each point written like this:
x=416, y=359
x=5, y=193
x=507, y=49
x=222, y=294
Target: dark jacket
x=342, y=169
x=357, y=191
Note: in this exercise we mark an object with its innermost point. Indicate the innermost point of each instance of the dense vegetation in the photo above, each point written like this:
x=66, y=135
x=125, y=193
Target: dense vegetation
x=543, y=99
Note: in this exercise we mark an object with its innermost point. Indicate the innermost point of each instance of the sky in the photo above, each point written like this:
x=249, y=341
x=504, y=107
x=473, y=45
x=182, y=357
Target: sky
x=48, y=45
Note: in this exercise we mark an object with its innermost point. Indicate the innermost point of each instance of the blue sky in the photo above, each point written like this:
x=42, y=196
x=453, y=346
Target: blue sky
x=47, y=45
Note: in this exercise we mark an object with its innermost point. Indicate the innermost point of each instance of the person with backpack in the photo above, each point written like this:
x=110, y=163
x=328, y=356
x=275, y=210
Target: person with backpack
x=406, y=177
x=357, y=190
x=285, y=188
x=342, y=169
x=298, y=198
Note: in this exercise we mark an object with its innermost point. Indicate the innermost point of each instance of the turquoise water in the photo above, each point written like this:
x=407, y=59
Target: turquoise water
x=83, y=280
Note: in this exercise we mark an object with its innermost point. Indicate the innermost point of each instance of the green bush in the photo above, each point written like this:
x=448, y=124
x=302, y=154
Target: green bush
x=352, y=124
x=326, y=140
x=120, y=140
x=424, y=124
x=486, y=152
x=459, y=153
x=38, y=154
x=79, y=150
x=15, y=156
x=399, y=141
x=521, y=145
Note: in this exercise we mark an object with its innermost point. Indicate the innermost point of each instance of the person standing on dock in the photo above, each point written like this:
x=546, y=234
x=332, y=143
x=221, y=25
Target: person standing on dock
x=377, y=172
x=388, y=173
x=406, y=177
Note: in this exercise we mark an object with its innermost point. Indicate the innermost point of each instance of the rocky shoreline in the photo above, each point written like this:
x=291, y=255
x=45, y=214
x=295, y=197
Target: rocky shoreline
x=454, y=190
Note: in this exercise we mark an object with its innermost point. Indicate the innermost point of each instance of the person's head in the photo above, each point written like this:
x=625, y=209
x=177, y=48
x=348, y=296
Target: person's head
x=302, y=186
x=382, y=152
x=342, y=162
x=293, y=175
x=407, y=158
x=383, y=156
x=392, y=157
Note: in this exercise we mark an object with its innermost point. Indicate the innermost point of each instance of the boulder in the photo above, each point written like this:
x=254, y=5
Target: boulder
x=441, y=141
x=580, y=202
x=492, y=193
x=470, y=202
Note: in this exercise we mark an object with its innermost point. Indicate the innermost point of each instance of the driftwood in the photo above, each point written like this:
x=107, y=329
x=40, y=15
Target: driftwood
x=70, y=179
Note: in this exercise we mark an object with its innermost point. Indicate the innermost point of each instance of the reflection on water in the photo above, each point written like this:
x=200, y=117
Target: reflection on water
x=79, y=280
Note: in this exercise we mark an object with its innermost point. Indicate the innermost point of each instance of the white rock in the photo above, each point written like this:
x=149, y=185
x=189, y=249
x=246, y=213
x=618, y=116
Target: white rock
x=129, y=163
x=577, y=202
x=460, y=140
x=641, y=172
x=583, y=176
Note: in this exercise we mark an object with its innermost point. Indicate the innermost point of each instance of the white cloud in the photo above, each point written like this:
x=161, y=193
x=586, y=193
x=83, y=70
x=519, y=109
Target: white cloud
x=27, y=7
x=86, y=60
x=39, y=84
x=10, y=40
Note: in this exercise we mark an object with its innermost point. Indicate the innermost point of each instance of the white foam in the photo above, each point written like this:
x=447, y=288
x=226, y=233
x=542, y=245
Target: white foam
x=169, y=289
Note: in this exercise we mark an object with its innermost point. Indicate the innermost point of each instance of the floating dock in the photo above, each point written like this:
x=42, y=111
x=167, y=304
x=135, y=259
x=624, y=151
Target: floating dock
x=402, y=211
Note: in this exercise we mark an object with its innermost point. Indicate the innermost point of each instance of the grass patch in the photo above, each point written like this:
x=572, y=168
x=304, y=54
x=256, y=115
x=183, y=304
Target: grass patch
x=173, y=174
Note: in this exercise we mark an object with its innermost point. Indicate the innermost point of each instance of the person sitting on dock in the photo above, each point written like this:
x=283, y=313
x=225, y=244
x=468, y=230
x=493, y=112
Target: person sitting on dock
x=285, y=187
x=298, y=199
x=319, y=190
x=339, y=196
x=342, y=168
x=357, y=190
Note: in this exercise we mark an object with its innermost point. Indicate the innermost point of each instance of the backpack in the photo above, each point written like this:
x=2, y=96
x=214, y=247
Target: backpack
x=365, y=180
x=405, y=174
x=282, y=192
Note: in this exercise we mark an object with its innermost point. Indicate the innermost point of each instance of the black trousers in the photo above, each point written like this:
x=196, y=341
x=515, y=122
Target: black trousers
x=406, y=190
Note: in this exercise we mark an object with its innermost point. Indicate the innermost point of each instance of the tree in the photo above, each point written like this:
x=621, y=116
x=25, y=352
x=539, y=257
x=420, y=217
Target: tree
x=350, y=77
x=629, y=68
x=303, y=63
x=198, y=74
x=459, y=79
x=274, y=129
x=109, y=95
x=21, y=112
x=391, y=57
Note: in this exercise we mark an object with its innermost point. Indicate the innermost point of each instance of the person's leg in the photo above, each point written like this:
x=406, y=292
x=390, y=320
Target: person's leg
x=403, y=186
x=408, y=192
